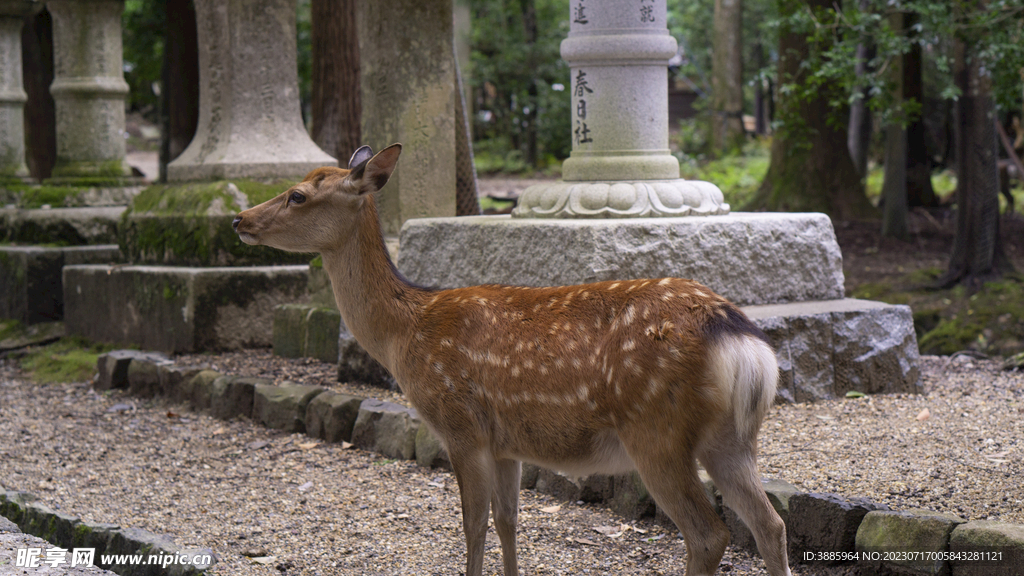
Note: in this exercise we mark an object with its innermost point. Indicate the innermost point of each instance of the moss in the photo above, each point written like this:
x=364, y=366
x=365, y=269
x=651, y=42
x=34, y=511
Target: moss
x=190, y=224
x=67, y=360
x=990, y=320
x=9, y=328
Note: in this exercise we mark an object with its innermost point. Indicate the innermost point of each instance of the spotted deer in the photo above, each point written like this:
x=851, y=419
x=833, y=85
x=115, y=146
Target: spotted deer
x=648, y=375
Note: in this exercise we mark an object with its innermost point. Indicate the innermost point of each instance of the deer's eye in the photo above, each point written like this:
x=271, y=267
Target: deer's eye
x=296, y=198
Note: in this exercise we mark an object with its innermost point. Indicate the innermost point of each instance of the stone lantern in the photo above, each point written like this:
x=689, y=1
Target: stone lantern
x=12, y=93
x=620, y=164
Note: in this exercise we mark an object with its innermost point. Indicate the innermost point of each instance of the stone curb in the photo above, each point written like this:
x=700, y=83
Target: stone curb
x=69, y=532
x=822, y=528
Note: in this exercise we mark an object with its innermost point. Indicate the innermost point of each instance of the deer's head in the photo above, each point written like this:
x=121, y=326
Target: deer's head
x=322, y=211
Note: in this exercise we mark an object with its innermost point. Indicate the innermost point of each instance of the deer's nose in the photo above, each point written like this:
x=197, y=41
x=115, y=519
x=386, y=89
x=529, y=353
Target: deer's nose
x=234, y=224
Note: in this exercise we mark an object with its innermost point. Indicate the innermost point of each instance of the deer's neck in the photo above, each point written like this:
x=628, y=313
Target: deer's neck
x=379, y=307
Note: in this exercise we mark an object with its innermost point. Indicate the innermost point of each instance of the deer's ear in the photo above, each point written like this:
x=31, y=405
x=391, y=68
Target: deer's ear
x=371, y=175
x=361, y=155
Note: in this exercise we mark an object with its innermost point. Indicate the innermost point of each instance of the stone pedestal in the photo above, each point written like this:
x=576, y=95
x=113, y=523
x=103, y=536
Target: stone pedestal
x=620, y=164
x=89, y=90
x=785, y=270
x=250, y=125
x=408, y=95
x=12, y=92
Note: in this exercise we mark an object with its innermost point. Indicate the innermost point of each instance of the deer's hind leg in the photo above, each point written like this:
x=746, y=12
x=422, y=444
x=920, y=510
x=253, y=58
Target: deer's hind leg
x=670, y=475
x=732, y=463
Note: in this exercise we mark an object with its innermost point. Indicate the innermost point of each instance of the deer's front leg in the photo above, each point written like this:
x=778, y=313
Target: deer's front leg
x=506, y=510
x=474, y=471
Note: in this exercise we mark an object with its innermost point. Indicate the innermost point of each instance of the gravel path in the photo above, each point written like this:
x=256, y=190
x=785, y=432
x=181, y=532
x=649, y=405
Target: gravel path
x=271, y=503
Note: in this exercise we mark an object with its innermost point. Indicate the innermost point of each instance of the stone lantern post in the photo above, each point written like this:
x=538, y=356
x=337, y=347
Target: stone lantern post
x=88, y=89
x=250, y=123
x=620, y=165
x=12, y=93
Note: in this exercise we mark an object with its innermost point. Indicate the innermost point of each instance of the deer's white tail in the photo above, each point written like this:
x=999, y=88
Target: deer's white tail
x=745, y=369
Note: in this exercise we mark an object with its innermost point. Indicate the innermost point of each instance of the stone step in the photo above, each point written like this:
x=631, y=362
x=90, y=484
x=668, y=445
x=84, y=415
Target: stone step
x=30, y=278
x=63, y=226
x=178, y=309
x=831, y=347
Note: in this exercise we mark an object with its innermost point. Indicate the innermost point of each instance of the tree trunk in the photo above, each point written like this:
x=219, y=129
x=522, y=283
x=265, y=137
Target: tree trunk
x=919, y=166
x=894, y=187
x=859, y=137
x=529, y=13
x=179, y=94
x=810, y=168
x=39, y=113
x=977, y=253
x=336, y=108
x=727, y=77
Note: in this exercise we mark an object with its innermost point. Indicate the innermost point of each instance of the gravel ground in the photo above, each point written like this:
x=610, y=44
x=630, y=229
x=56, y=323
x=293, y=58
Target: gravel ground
x=270, y=503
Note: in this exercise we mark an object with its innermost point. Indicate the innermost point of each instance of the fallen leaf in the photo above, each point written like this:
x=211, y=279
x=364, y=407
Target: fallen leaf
x=309, y=445
x=855, y=394
x=257, y=444
x=551, y=509
x=584, y=541
x=402, y=516
x=305, y=486
x=638, y=530
x=265, y=560
x=220, y=430
x=924, y=415
x=346, y=445
x=173, y=414
x=825, y=418
x=606, y=530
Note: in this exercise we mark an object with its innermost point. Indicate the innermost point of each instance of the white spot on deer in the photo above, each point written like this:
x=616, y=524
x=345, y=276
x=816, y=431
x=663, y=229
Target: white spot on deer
x=528, y=364
x=613, y=286
x=543, y=369
x=667, y=296
x=585, y=294
x=536, y=308
x=627, y=316
x=559, y=363
x=611, y=376
x=699, y=293
x=438, y=367
x=665, y=282
x=464, y=373
x=721, y=312
x=576, y=363
x=420, y=337
x=515, y=371
x=448, y=382
x=631, y=288
x=628, y=345
x=662, y=362
x=466, y=321
x=446, y=342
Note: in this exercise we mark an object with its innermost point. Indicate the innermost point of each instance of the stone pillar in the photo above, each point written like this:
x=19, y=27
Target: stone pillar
x=620, y=165
x=12, y=93
x=409, y=90
x=250, y=124
x=88, y=89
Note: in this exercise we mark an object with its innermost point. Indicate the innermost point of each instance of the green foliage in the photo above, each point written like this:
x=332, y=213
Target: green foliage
x=143, y=22
x=738, y=176
x=691, y=23
x=994, y=34
x=519, y=84
x=67, y=360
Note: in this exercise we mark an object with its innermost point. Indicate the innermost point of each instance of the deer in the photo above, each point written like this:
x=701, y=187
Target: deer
x=652, y=375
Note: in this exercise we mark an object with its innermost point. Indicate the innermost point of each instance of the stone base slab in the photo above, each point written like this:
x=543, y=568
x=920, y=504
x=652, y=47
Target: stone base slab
x=177, y=309
x=749, y=258
x=30, y=278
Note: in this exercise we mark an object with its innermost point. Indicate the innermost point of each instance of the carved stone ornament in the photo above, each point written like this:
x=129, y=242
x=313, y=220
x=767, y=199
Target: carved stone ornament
x=645, y=199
